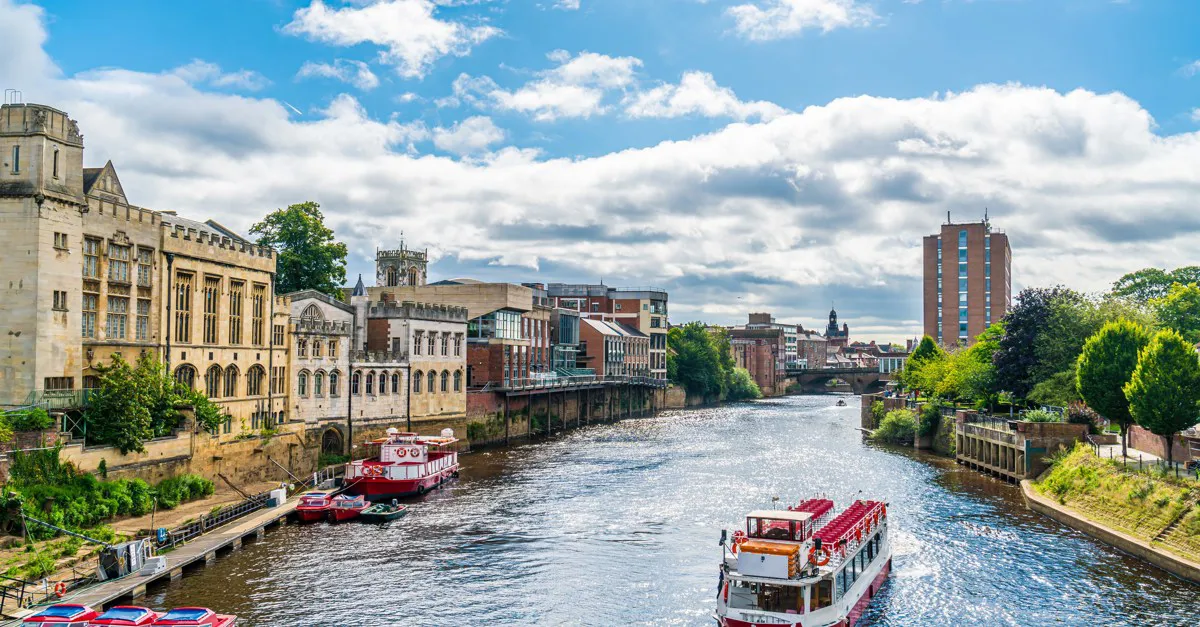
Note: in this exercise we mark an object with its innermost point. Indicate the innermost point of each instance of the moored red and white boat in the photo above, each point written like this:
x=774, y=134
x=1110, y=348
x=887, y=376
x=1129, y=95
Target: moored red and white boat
x=804, y=567
x=313, y=506
x=407, y=464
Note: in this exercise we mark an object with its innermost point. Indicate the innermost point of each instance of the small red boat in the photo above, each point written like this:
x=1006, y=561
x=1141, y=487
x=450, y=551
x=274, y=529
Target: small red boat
x=126, y=615
x=407, y=464
x=345, y=507
x=313, y=506
x=63, y=615
x=196, y=616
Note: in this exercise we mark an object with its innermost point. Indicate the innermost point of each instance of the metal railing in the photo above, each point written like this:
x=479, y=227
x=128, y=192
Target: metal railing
x=16, y=591
x=59, y=399
x=549, y=383
x=207, y=522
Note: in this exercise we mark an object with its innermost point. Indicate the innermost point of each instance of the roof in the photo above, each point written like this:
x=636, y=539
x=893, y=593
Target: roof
x=321, y=296
x=89, y=178
x=628, y=330
x=602, y=327
x=359, y=288
x=780, y=514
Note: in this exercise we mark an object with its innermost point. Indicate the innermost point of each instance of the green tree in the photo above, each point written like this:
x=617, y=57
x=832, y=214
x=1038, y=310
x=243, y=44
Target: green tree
x=119, y=412
x=1104, y=368
x=1058, y=389
x=926, y=349
x=914, y=375
x=1150, y=283
x=1164, y=391
x=1179, y=310
x=742, y=386
x=693, y=360
x=308, y=257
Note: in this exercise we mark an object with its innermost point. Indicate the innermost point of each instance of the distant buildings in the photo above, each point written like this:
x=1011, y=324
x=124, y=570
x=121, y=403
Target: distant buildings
x=967, y=281
x=643, y=309
x=838, y=337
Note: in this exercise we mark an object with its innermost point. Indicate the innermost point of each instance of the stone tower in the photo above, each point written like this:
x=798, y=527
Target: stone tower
x=401, y=267
x=41, y=207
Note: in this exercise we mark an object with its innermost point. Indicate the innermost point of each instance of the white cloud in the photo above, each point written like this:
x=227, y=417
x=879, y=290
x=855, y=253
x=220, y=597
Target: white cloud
x=697, y=94
x=356, y=73
x=1196, y=114
x=411, y=36
x=773, y=19
x=567, y=5
x=471, y=136
x=576, y=88
x=204, y=73
x=830, y=202
x=1191, y=69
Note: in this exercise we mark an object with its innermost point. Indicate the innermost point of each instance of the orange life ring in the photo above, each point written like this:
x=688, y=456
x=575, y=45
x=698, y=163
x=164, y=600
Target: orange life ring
x=401, y=452
x=415, y=452
x=60, y=589
x=819, y=561
x=373, y=471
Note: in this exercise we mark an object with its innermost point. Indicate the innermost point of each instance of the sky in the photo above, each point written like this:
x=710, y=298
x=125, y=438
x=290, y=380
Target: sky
x=746, y=155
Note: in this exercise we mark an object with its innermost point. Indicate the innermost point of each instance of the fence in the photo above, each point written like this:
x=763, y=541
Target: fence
x=1181, y=469
x=16, y=591
x=207, y=522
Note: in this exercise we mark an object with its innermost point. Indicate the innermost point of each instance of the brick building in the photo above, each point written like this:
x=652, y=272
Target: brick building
x=613, y=349
x=644, y=309
x=967, y=281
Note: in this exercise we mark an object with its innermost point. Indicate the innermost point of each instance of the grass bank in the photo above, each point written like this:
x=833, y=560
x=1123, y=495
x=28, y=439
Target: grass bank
x=1159, y=509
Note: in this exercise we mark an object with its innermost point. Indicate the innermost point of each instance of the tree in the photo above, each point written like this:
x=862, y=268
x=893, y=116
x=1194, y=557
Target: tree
x=307, y=256
x=925, y=349
x=693, y=360
x=1043, y=335
x=1179, y=310
x=742, y=386
x=119, y=411
x=1164, y=391
x=1058, y=390
x=914, y=375
x=1150, y=283
x=1104, y=368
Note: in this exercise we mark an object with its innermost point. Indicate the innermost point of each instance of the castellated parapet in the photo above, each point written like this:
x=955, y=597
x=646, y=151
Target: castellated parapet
x=417, y=311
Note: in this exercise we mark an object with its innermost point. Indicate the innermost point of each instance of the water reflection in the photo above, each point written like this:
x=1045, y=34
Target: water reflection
x=618, y=524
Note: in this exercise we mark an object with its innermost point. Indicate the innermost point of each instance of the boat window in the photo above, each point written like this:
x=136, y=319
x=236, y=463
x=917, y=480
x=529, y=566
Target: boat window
x=822, y=595
x=771, y=529
x=781, y=599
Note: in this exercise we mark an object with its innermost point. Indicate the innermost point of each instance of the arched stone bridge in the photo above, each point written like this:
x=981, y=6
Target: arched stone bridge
x=861, y=380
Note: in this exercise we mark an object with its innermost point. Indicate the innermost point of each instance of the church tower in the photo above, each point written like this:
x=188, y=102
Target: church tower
x=401, y=267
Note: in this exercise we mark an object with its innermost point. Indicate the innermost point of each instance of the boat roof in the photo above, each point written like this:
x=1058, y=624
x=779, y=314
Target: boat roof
x=780, y=514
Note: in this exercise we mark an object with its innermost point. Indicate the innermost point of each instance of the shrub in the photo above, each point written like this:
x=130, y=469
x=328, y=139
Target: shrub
x=331, y=459
x=1081, y=414
x=1040, y=415
x=41, y=565
x=897, y=427
x=742, y=386
x=34, y=419
x=931, y=419
x=878, y=411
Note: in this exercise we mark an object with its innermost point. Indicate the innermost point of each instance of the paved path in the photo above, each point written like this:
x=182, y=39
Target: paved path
x=202, y=549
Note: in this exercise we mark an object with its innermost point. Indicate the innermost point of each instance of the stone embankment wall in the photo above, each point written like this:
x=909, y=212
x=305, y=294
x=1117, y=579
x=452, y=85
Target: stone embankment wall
x=1138, y=548
x=537, y=413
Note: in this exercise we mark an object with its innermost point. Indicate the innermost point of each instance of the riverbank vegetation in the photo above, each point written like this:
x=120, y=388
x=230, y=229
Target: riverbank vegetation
x=700, y=359
x=54, y=491
x=898, y=426
x=1152, y=506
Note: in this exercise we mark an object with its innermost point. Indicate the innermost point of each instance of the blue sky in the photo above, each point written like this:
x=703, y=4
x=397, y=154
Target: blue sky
x=746, y=154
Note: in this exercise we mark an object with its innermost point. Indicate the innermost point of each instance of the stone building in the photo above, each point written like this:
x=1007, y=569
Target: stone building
x=92, y=276
x=838, y=338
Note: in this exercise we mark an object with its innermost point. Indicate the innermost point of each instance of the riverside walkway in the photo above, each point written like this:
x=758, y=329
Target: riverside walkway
x=197, y=552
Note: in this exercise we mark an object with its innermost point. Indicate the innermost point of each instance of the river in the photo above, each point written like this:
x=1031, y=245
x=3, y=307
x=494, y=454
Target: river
x=618, y=524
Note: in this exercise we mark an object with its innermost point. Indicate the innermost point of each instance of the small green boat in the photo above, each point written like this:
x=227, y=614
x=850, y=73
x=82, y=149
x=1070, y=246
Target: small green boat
x=382, y=512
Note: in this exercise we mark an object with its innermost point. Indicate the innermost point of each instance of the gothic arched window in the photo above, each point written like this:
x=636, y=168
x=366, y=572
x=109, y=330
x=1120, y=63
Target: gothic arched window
x=186, y=375
x=458, y=380
x=412, y=276
x=231, y=381
x=212, y=382
x=432, y=382
x=416, y=384
x=445, y=380
x=393, y=277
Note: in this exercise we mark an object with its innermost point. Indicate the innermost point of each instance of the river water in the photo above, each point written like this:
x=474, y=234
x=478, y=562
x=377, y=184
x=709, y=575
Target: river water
x=618, y=524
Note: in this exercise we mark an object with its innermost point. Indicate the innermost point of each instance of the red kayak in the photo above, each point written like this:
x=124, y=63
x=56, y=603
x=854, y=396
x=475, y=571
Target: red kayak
x=196, y=616
x=63, y=615
x=126, y=615
x=346, y=507
x=313, y=506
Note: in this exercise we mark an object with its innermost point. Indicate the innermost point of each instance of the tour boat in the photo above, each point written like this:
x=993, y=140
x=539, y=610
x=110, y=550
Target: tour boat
x=407, y=464
x=344, y=507
x=193, y=616
x=312, y=506
x=63, y=615
x=131, y=615
x=804, y=567
x=383, y=512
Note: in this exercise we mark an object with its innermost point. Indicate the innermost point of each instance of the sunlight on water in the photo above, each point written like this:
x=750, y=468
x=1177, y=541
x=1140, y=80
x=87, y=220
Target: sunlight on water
x=618, y=524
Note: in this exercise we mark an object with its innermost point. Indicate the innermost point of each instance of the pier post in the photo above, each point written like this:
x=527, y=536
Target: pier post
x=138, y=591
x=507, y=423
x=210, y=557
x=176, y=573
